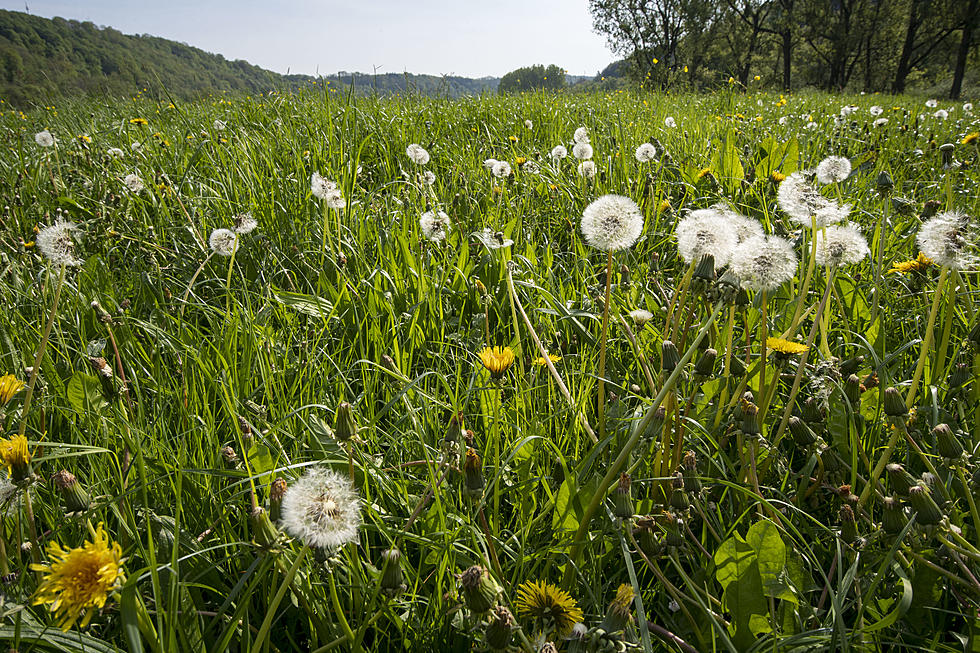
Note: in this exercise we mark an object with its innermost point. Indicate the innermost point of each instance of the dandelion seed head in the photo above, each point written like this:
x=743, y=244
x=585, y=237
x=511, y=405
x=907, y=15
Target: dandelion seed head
x=640, y=316
x=669, y=122
x=58, y=242
x=646, y=153
x=435, y=225
x=582, y=151
x=245, y=223
x=136, y=146
x=45, y=138
x=612, y=223
x=880, y=122
x=531, y=168
x=428, y=177
x=950, y=239
x=706, y=232
x=489, y=163
x=833, y=169
x=219, y=125
x=803, y=203
x=764, y=262
x=745, y=227
x=417, y=154
x=223, y=242
x=502, y=170
x=322, y=508
x=941, y=114
x=581, y=135
x=841, y=245
x=559, y=152
x=115, y=153
x=326, y=190
x=932, y=104
x=587, y=169
x=492, y=239
x=528, y=124
x=133, y=182
x=876, y=110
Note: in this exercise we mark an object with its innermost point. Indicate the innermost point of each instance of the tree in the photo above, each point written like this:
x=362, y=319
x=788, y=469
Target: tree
x=966, y=43
x=532, y=78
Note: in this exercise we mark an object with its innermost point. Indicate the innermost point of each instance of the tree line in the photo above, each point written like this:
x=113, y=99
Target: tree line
x=858, y=45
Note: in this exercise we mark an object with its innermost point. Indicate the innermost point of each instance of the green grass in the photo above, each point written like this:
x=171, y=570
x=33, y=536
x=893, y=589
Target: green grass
x=267, y=344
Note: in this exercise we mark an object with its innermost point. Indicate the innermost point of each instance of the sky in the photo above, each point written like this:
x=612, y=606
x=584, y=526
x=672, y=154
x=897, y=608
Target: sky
x=470, y=38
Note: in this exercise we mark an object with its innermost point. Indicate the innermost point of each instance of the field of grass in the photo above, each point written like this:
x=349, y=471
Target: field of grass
x=286, y=439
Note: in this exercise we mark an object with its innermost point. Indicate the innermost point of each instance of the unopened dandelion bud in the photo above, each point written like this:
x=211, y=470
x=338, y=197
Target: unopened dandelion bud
x=646, y=535
x=229, y=458
x=622, y=499
x=500, y=629
x=624, y=274
x=852, y=390
x=750, y=419
x=802, y=434
x=704, y=273
x=264, y=533
x=894, y=404
x=392, y=583
x=899, y=479
x=655, y=427
x=946, y=149
x=74, y=498
x=848, y=525
x=675, y=534
x=884, y=182
x=736, y=367
x=388, y=363
x=102, y=314
x=678, y=497
x=345, y=426
x=670, y=357
x=692, y=482
x=454, y=430
x=927, y=513
x=893, y=518
x=960, y=376
x=850, y=366
x=903, y=206
x=947, y=444
x=478, y=589
x=831, y=463
x=277, y=492
x=813, y=412
x=705, y=366
x=473, y=482
x=726, y=288
x=619, y=615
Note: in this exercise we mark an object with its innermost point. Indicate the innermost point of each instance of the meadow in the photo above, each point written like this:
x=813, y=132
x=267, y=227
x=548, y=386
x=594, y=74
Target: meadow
x=610, y=372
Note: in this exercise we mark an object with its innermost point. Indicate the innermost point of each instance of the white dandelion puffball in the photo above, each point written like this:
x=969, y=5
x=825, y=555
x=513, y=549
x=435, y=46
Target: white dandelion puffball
x=417, y=154
x=932, y=104
x=669, y=122
x=428, y=177
x=811, y=125
x=136, y=146
x=492, y=239
x=876, y=110
x=941, y=114
x=968, y=106
x=245, y=223
x=704, y=232
x=804, y=204
x=57, y=243
x=322, y=508
x=559, y=152
x=501, y=169
x=847, y=110
x=611, y=223
x=744, y=226
x=950, y=239
x=435, y=225
x=833, y=169
x=115, y=153
x=489, y=163
x=841, y=245
x=783, y=119
x=646, y=153
x=764, y=262
x=582, y=151
x=327, y=191
x=133, y=182
x=531, y=168
x=581, y=135
x=640, y=316
x=528, y=124
x=223, y=242
x=880, y=121
x=44, y=138
x=587, y=169
x=219, y=125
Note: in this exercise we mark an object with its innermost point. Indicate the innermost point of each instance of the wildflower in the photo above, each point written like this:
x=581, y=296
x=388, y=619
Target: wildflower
x=840, y=245
x=847, y=110
x=558, y=152
x=640, y=316
x=528, y=124
x=219, y=125
x=876, y=110
x=245, y=223
x=223, y=242
x=133, y=182
x=550, y=608
x=541, y=361
x=949, y=238
x=918, y=264
x=9, y=386
x=57, y=243
x=417, y=154
x=619, y=615
x=501, y=170
x=478, y=589
x=84, y=138
x=322, y=508
x=745, y=227
x=531, y=168
x=806, y=206
x=79, y=581
x=139, y=121
x=787, y=347
x=115, y=153
x=587, y=169
x=45, y=138
x=434, y=225
x=764, y=262
x=497, y=360
x=833, y=169
x=706, y=232
x=970, y=138
x=582, y=151
x=492, y=239
x=941, y=114
x=932, y=104
x=428, y=177
x=581, y=135
x=327, y=191
x=968, y=107
x=489, y=163
x=880, y=122
x=646, y=153
x=136, y=146
x=611, y=223
x=15, y=456
x=777, y=176
x=670, y=122
x=513, y=139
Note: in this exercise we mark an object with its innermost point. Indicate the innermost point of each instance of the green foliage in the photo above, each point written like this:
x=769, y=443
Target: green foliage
x=532, y=78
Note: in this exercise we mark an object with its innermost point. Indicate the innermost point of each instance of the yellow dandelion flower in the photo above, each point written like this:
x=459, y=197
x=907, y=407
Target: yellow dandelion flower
x=685, y=68
x=540, y=359
x=513, y=139
x=918, y=264
x=85, y=138
x=9, y=386
x=704, y=172
x=777, y=176
x=656, y=61
x=497, y=360
x=520, y=160
x=139, y=121
x=970, y=138
x=15, y=456
x=664, y=206
x=551, y=608
x=78, y=582
x=787, y=347
x=756, y=78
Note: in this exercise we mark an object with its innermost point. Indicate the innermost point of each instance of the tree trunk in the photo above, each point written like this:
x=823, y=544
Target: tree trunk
x=902, y=72
x=966, y=42
x=787, y=60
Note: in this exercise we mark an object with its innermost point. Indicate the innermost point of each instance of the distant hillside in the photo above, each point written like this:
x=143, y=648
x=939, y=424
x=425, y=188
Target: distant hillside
x=406, y=83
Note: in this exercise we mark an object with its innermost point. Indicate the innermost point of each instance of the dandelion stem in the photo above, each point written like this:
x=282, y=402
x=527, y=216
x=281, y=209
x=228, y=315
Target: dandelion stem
x=927, y=339
x=277, y=599
x=601, y=391
x=805, y=288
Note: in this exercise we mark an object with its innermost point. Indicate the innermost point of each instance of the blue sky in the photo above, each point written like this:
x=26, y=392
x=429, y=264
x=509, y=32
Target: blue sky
x=472, y=38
